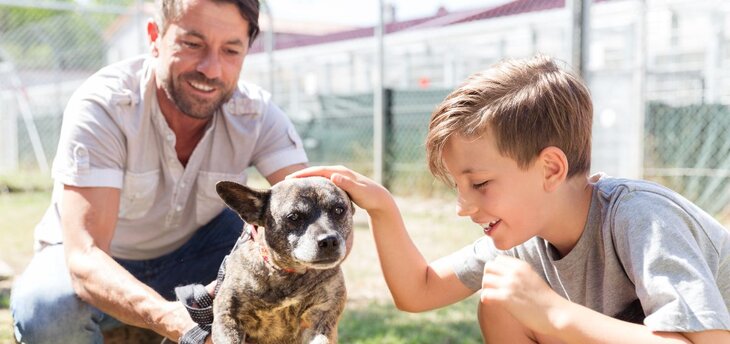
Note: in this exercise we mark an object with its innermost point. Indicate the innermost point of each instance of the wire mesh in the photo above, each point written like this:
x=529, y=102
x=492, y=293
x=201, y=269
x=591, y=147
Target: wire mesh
x=661, y=106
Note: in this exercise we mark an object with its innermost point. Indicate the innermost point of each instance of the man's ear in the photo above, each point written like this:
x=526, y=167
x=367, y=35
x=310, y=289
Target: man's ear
x=554, y=167
x=250, y=204
x=153, y=34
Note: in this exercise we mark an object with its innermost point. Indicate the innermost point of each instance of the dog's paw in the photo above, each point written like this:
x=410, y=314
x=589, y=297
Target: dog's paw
x=319, y=339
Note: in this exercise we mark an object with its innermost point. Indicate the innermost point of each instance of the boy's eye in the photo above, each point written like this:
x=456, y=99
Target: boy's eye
x=479, y=185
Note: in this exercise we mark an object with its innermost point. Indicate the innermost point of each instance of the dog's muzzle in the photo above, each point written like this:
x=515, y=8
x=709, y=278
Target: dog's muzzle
x=324, y=252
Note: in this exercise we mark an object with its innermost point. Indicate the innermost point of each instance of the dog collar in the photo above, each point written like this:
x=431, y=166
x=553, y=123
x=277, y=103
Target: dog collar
x=263, y=251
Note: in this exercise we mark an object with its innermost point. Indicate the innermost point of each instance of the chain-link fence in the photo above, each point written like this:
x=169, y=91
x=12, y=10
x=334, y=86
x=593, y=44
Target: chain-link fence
x=686, y=132
x=46, y=52
x=342, y=133
x=688, y=149
x=659, y=74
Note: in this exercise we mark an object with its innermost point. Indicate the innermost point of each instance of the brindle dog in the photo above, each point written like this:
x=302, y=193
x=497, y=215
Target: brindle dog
x=284, y=284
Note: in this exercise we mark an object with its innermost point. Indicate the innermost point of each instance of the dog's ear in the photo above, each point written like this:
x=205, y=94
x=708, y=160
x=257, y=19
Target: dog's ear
x=249, y=203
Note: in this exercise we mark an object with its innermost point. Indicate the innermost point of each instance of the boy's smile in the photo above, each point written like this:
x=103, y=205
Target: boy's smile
x=489, y=227
x=494, y=191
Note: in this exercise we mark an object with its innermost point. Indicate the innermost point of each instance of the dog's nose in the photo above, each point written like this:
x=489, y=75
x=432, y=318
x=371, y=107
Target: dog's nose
x=327, y=241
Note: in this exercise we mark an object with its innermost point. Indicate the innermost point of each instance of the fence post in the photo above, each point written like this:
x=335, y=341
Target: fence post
x=388, y=137
x=378, y=120
x=580, y=26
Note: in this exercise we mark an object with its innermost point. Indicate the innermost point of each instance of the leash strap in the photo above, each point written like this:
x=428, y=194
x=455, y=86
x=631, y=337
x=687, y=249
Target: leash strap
x=200, y=307
x=199, y=303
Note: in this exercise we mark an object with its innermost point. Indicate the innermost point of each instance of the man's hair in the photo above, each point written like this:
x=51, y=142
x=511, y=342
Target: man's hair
x=528, y=105
x=170, y=10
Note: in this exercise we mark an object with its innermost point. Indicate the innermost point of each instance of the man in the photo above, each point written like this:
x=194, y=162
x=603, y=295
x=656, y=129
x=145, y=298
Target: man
x=134, y=211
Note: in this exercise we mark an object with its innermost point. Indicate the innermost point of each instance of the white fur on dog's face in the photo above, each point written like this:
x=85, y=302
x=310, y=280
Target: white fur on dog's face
x=307, y=214
x=306, y=248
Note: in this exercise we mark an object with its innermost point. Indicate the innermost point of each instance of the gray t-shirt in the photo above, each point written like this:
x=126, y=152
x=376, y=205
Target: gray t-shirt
x=646, y=255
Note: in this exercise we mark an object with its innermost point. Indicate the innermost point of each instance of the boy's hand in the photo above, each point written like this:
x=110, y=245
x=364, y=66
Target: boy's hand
x=513, y=284
x=365, y=192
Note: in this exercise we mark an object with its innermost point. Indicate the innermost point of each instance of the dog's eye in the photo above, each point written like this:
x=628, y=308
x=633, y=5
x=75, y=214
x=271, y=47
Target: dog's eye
x=339, y=210
x=293, y=217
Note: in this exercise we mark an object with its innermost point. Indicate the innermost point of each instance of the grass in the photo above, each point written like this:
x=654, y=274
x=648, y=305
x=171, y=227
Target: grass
x=20, y=212
x=24, y=181
x=24, y=198
x=381, y=323
x=6, y=329
x=370, y=316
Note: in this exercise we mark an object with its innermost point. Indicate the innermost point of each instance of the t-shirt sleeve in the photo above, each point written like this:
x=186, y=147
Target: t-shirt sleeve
x=672, y=263
x=279, y=144
x=468, y=262
x=91, y=146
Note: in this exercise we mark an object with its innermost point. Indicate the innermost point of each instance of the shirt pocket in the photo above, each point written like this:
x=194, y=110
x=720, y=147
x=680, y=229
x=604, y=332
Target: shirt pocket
x=138, y=194
x=207, y=202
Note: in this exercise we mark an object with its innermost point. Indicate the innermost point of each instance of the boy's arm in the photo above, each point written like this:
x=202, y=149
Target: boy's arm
x=414, y=284
x=578, y=324
x=513, y=284
x=89, y=217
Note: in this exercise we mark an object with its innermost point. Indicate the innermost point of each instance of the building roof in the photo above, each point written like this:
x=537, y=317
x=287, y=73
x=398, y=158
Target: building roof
x=440, y=19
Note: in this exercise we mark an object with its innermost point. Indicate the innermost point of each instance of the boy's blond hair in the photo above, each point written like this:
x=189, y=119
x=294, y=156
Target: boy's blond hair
x=528, y=104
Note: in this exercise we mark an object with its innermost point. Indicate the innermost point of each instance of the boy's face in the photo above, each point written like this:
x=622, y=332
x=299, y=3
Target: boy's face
x=494, y=192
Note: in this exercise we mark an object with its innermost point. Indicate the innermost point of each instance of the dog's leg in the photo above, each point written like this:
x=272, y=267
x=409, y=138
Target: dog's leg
x=323, y=320
x=324, y=331
x=224, y=333
x=226, y=329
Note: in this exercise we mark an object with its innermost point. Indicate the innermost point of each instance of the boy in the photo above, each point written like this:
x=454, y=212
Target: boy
x=567, y=258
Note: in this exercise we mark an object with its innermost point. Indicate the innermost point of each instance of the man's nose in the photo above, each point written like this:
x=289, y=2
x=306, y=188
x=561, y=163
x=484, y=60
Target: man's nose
x=210, y=65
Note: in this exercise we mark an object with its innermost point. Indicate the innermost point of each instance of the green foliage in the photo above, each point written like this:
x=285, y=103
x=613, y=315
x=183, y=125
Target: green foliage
x=64, y=41
x=4, y=300
x=12, y=18
x=36, y=38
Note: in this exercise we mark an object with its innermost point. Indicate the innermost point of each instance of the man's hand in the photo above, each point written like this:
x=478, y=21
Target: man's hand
x=513, y=284
x=211, y=288
x=178, y=321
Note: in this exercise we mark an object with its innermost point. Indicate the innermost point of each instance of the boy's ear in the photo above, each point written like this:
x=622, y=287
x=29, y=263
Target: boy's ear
x=554, y=166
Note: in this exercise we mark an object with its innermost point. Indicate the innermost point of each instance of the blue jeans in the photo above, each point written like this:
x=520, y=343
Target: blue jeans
x=45, y=307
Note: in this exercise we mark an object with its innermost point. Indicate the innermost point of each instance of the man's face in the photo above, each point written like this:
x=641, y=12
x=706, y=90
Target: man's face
x=494, y=191
x=200, y=56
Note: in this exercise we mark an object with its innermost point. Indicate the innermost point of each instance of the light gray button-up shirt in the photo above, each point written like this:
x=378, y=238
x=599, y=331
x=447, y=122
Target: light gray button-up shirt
x=114, y=135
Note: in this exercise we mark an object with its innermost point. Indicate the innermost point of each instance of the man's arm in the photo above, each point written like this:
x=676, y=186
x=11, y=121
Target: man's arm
x=89, y=217
x=279, y=174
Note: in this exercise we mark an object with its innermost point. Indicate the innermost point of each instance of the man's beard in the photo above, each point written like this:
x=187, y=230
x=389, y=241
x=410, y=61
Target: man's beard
x=188, y=103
